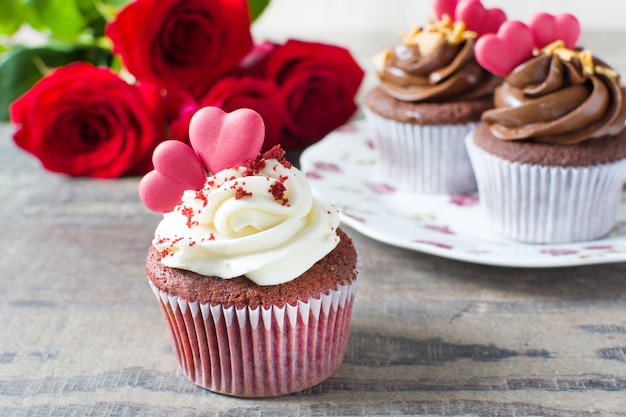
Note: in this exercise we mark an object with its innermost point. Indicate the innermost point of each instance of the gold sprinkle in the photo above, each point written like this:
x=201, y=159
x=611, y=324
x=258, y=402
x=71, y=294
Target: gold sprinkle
x=453, y=32
x=429, y=42
x=456, y=35
x=550, y=48
x=445, y=22
x=566, y=54
x=610, y=73
x=586, y=59
x=470, y=34
x=380, y=59
x=410, y=38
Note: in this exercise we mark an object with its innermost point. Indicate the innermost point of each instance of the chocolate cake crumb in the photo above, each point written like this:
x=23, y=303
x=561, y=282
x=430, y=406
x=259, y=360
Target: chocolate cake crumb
x=440, y=113
x=590, y=152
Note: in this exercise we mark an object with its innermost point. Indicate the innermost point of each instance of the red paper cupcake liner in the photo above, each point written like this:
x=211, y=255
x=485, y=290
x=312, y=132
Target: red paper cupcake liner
x=259, y=352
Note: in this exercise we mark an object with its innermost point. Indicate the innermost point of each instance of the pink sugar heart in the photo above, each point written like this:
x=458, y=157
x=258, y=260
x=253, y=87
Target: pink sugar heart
x=442, y=7
x=477, y=18
x=159, y=193
x=500, y=53
x=179, y=162
x=176, y=168
x=547, y=28
x=224, y=140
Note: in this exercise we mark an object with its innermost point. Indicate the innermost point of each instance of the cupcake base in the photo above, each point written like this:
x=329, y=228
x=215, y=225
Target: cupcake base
x=260, y=352
x=423, y=158
x=547, y=204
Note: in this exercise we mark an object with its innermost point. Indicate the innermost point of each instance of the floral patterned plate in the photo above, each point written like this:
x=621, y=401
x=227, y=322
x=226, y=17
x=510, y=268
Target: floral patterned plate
x=344, y=167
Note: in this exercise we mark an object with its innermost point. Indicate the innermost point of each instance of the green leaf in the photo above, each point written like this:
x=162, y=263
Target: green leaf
x=62, y=17
x=114, y=4
x=30, y=16
x=22, y=68
x=257, y=7
x=10, y=19
x=98, y=12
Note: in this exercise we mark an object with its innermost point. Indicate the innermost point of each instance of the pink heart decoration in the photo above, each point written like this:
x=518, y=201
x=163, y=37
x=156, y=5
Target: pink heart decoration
x=477, y=18
x=500, y=53
x=547, y=28
x=224, y=140
x=176, y=168
x=442, y=7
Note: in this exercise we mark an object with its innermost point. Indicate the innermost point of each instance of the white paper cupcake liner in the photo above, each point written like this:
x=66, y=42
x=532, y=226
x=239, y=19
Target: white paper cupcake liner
x=423, y=158
x=543, y=204
x=259, y=352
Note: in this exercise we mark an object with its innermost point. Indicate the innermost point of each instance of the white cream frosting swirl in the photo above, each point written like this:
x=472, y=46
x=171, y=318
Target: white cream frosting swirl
x=269, y=226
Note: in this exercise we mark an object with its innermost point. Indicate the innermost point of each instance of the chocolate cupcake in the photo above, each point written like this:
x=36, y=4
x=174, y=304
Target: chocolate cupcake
x=432, y=92
x=253, y=276
x=550, y=158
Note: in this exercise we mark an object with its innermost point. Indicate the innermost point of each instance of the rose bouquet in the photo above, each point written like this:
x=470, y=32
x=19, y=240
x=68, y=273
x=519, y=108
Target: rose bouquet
x=100, y=96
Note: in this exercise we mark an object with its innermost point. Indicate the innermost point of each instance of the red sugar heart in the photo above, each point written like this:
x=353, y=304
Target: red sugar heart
x=224, y=140
x=442, y=7
x=500, y=53
x=176, y=168
x=547, y=28
x=479, y=19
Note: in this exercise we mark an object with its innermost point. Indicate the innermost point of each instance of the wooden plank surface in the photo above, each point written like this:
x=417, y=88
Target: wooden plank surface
x=81, y=333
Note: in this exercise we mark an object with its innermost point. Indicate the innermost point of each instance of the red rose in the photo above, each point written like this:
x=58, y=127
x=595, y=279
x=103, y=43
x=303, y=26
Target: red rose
x=302, y=90
x=181, y=43
x=86, y=121
x=318, y=84
x=258, y=94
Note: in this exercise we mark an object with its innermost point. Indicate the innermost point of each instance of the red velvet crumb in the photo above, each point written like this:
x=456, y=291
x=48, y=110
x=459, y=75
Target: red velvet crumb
x=188, y=212
x=254, y=167
x=240, y=193
x=275, y=153
x=201, y=196
x=278, y=192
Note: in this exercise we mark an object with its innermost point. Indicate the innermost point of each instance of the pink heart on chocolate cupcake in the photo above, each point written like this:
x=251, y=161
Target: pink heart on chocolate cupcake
x=176, y=168
x=547, y=28
x=442, y=7
x=500, y=53
x=477, y=18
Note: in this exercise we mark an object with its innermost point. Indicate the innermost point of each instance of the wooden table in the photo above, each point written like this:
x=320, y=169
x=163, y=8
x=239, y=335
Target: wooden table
x=81, y=333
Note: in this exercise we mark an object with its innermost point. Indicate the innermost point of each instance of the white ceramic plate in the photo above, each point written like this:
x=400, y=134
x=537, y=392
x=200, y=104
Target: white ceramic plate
x=344, y=167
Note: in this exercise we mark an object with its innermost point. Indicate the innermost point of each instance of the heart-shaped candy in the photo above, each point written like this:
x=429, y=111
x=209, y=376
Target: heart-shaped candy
x=441, y=7
x=547, y=28
x=224, y=140
x=477, y=18
x=501, y=52
x=176, y=168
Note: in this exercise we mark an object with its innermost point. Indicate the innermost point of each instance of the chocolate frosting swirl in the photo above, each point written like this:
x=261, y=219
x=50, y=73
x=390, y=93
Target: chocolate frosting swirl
x=447, y=73
x=555, y=100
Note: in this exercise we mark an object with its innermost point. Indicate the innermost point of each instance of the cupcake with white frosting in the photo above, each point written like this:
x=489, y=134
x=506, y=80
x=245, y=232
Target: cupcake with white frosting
x=254, y=278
